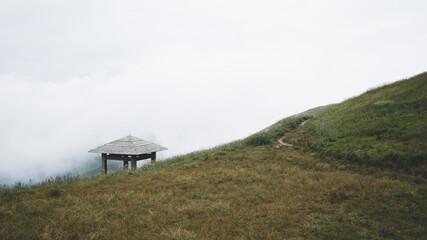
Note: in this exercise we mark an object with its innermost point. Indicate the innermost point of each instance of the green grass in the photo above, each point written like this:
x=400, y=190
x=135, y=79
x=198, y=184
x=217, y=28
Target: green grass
x=385, y=127
x=276, y=130
x=249, y=189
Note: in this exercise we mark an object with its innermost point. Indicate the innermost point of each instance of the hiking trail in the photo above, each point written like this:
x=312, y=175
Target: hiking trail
x=282, y=143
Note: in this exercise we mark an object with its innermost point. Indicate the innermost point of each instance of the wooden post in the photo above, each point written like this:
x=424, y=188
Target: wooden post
x=153, y=157
x=125, y=165
x=133, y=163
x=104, y=163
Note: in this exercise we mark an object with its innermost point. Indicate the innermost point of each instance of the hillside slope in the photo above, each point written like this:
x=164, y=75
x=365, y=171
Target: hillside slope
x=384, y=127
x=249, y=189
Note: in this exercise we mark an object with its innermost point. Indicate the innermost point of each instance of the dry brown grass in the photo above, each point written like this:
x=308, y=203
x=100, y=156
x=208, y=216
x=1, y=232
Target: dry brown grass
x=251, y=193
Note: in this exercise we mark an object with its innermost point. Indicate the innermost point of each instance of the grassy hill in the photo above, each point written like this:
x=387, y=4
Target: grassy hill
x=357, y=170
x=385, y=127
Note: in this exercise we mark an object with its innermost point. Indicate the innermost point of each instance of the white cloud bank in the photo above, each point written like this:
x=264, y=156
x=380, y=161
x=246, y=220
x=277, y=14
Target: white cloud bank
x=187, y=76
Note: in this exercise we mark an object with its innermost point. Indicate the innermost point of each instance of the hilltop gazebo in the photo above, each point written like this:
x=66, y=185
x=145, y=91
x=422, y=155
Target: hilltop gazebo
x=127, y=149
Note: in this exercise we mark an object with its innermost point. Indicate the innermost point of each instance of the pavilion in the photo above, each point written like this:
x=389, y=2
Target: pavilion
x=127, y=149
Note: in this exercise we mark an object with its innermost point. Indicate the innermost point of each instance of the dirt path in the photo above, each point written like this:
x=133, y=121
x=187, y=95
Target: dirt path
x=282, y=143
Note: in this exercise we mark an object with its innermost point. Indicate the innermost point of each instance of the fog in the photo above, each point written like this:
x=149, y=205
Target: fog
x=185, y=74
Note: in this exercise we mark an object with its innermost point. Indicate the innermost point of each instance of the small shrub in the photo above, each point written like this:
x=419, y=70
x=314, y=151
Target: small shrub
x=258, y=140
x=53, y=193
x=337, y=196
x=4, y=191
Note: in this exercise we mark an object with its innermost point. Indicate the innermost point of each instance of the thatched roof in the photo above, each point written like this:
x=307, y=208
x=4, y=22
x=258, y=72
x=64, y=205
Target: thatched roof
x=129, y=145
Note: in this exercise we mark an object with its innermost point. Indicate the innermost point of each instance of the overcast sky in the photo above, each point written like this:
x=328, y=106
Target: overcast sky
x=185, y=74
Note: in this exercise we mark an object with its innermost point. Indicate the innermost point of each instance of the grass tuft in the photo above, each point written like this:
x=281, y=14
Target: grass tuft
x=258, y=140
